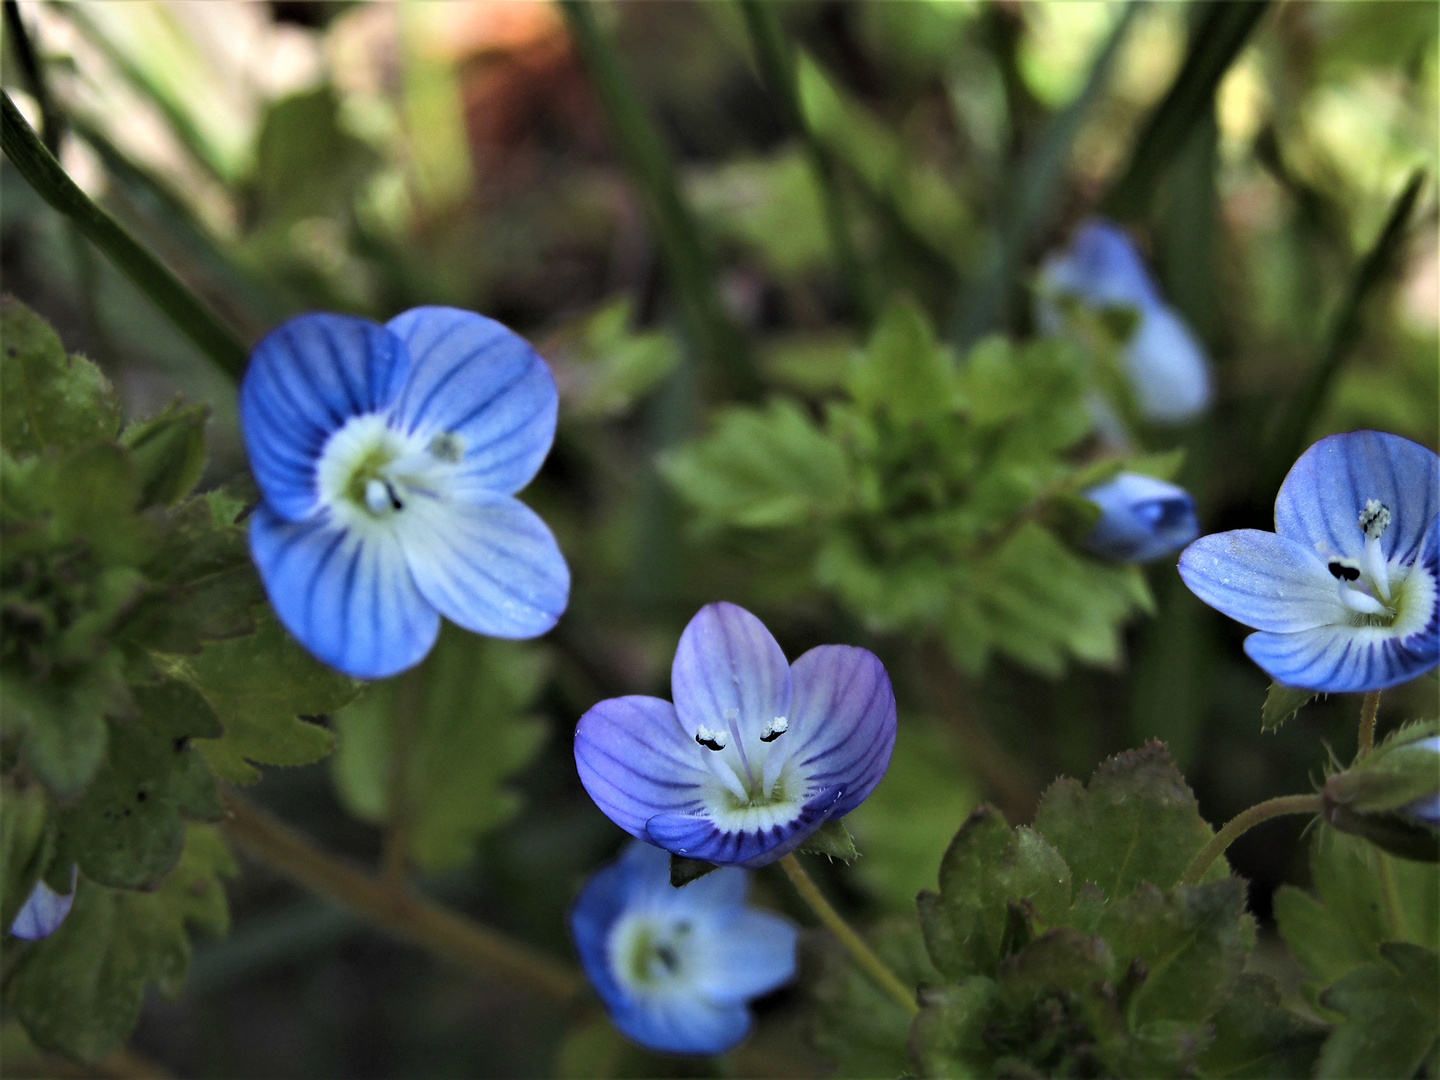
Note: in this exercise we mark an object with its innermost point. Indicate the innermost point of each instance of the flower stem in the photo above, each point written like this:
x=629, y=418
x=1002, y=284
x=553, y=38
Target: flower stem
x=1244, y=822
x=406, y=915
x=871, y=964
x=404, y=719
x=1390, y=896
x=1368, y=708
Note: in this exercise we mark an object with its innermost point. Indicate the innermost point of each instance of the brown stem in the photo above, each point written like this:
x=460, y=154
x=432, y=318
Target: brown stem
x=1368, y=708
x=1243, y=822
x=412, y=917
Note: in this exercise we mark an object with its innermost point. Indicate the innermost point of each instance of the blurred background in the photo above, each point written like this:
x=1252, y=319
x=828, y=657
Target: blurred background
x=369, y=157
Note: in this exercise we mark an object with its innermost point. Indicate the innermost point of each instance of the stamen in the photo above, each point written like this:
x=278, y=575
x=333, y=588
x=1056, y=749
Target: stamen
x=1344, y=570
x=378, y=496
x=1374, y=519
x=711, y=740
x=774, y=729
x=447, y=446
x=1361, y=602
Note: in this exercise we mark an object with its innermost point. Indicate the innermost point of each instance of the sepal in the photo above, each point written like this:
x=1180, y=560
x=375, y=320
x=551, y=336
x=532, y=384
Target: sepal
x=1389, y=796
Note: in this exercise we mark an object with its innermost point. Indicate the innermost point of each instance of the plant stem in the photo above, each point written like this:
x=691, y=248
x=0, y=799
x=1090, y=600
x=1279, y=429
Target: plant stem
x=871, y=964
x=1390, y=896
x=711, y=332
x=189, y=314
x=414, y=918
x=1368, y=708
x=404, y=719
x=1244, y=822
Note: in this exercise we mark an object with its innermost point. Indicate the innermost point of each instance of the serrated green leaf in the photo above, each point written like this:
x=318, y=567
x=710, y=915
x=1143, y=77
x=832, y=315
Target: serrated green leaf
x=62, y=720
x=949, y=1037
x=127, y=831
x=761, y=468
x=169, y=452
x=78, y=992
x=472, y=730
x=260, y=686
x=988, y=867
x=1192, y=941
x=860, y=1028
x=904, y=372
x=832, y=840
x=1391, y=1013
x=26, y=841
x=1136, y=822
x=603, y=367
x=1281, y=704
x=1256, y=1038
x=48, y=400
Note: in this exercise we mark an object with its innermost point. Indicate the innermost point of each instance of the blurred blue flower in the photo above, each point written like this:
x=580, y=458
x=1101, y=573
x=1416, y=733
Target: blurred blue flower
x=1343, y=592
x=1141, y=518
x=1164, y=363
x=44, y=910
x=754, y=755
x=388, y=458
x=676, y=967
x=1426, y=810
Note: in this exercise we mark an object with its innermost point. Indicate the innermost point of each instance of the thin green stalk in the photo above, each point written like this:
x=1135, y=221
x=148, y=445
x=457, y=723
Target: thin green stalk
x=1368, y=710
x=711, y=330
x=1390, y=897
x=1242, y=823
x=1295, y=423
x=777, y=65
x=51, y=122
x=872, y=965
x=189, y=314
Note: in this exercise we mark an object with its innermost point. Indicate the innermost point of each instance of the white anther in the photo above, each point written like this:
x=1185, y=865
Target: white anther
x=1374, y=519
x=377, y=496
x=711, y=740
x=447, y=446
x=774, y=729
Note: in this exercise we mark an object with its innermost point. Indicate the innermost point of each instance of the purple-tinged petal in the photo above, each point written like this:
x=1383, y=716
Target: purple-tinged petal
x=1141, y=518
x=1320, y=502
x=475, y=379
x=1343, y=659
x=1169, y=374
x=1263, y=580
x=349, y=599
x=489, y=564
x=684, y=1025
x=750, y=955
x=43, y=911
x=729, y=674
x=305, y=379
x=636, y=761
x=1102, y=267
x=698, y=837
x=842, y=721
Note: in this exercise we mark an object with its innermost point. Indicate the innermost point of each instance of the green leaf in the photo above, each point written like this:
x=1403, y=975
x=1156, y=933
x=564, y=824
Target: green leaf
x=988, y=868
x=1257, y=1039
x=903, y=372
x=26, y=841
x=1192, y=942
x=603, y=367
x=169, y=452
x=832, y=840
x=761, y=469
x=127, y=830
x=48, y=400
x=62, y=720
x=1136, y=822
x=855, y=1024
x=1281, y=704
x=1343, y=927
x=260, y=686
x=78, y=992
x=1392, y=1016
x=951, y=1036
x=469, y=705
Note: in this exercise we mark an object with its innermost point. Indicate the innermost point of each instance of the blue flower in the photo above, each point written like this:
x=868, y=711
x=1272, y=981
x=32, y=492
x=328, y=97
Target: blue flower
x=1426, y=809
x=754, y=755
x=44, y=910
x=388, y=458
x=1343, y=592
x=676, y=967
x=1166, y=367
x=1141, y=518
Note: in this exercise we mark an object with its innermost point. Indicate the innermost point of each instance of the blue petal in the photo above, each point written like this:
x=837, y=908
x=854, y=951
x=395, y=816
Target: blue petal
x=751, y=954
x=1343, y=659
x=476, y=379
x=1142, y=518
x=487, y=563
x=305, y=379
x=729, y=673
x=43, y=912
x=1327, y=488
x=601, y=902
x=1103, y=268
x=1263, y=580
x=351, y=601
x=636, y=761
x=1168, y=372
x=698, y=837
x=843, y=719
x=683, y=1025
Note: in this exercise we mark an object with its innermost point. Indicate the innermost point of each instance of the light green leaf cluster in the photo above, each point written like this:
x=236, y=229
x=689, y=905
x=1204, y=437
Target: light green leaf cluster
x=603, y=367
x=938, y=498
x=131, y=672
x=470, y=728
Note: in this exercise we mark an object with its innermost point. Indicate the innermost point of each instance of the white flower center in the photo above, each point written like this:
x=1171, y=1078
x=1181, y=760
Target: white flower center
x=369, y=472
x=652, y=954
x=754, y=785
x=1392, y=598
